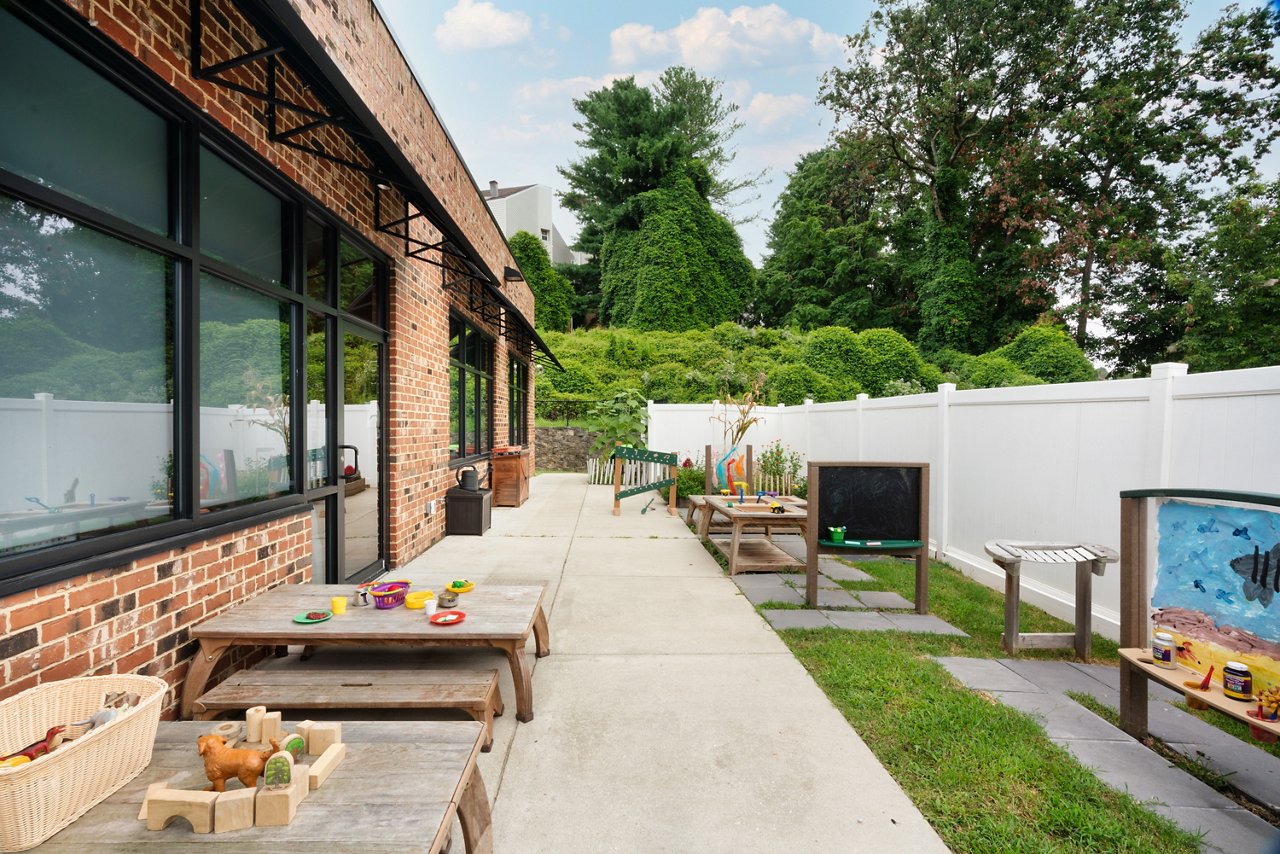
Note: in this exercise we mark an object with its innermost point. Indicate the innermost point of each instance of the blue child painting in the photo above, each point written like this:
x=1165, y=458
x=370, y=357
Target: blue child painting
x=1217, y=585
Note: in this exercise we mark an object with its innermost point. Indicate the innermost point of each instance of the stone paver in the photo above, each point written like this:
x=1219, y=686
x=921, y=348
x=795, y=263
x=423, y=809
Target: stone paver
x=1061, y=720
x=984, y=674
x=781, y=593
x=793, y=619
x=861, y=621
x=837, y=599
x=842, y=572
x=924, y=624
x=883, y=599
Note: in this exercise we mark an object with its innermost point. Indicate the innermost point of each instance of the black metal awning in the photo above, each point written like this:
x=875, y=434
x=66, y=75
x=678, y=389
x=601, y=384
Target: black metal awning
x=399, y=190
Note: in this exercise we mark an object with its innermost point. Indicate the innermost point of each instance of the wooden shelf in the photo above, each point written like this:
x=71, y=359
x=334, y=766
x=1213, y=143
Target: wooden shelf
x=870, y=545
x=1213, y=697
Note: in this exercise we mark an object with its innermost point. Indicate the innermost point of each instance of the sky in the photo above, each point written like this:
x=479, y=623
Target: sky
x=503, y=74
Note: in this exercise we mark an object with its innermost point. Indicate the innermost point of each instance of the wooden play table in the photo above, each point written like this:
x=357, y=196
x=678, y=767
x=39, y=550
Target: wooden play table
x=498, y=616
x=397, y=790
x=754, y=554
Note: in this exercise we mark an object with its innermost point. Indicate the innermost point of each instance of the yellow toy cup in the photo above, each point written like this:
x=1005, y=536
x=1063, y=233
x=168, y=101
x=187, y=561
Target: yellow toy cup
x=338, y=605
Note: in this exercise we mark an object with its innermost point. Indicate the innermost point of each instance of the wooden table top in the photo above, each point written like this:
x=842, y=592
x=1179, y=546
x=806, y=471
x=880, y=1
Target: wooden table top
x=791, y=510
x=493, y=611
x=394, y=791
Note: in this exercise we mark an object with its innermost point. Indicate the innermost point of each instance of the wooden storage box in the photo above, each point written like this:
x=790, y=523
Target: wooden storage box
x=511, y=478
x=42, y=797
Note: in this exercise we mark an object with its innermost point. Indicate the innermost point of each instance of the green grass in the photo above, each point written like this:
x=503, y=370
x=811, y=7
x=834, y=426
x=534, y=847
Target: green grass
x=984, y=775
x=973, y=608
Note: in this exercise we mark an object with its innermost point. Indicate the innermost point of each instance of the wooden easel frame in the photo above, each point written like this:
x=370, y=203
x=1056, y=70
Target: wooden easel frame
x=813, y=549
x=621, y=453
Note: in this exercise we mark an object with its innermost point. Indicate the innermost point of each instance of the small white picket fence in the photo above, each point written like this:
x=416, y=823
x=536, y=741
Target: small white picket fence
x=634, y=473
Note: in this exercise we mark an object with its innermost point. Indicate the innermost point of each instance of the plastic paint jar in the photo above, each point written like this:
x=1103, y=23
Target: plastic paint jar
x=1237, y=681
x=1162, y=651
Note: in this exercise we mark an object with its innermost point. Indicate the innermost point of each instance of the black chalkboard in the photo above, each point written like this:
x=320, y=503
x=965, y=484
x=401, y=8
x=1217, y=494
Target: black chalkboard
x=871, y=502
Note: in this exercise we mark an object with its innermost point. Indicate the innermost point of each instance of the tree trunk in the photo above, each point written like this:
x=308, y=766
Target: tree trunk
x=1082, y=312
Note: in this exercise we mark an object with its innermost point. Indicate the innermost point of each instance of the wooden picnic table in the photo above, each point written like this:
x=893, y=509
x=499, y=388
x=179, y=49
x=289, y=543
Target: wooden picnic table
x=498, y=616
x=397, y=790
x=755, y=554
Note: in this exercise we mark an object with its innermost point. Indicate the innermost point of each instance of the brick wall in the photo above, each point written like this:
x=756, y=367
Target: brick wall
x=137, y=618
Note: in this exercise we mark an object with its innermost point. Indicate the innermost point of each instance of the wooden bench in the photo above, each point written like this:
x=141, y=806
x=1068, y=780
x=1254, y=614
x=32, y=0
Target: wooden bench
x=1090, y=560
x=473, y=691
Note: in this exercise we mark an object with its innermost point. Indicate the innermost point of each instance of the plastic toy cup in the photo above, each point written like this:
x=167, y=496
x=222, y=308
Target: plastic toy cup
x=430, y=606
x=338, y=605
x=837, y=534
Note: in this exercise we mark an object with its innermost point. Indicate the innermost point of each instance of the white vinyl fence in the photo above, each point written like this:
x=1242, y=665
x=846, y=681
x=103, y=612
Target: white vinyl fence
x=1035, y=462
x=117, y=450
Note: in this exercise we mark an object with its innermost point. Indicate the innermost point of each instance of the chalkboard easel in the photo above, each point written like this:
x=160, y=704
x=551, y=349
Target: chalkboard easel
x=883, y=508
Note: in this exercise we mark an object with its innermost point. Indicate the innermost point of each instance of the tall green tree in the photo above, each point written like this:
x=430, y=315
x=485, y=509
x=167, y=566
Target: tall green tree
x=1232, y=280
x=552, y=292
x=710, y=123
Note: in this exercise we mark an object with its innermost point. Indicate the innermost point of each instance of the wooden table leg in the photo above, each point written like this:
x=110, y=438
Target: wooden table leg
x=1084, y=609
x=201, y=669
x=704, y=522
x=474, y=815
x=733, y=548
x=541, y=637
x=521, y=675
x=1133, y=700
x=1012, y=592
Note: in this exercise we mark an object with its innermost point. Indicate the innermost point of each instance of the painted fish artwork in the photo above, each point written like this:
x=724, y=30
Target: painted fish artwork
x=1216, y=584
x=1203, y=565
x=1261, y=577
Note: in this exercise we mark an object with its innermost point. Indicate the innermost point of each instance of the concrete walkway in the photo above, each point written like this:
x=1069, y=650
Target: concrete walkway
x=1039, y=689
x=669, y=716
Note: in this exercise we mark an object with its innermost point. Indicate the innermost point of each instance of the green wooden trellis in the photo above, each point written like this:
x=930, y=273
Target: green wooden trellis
x=643, y=455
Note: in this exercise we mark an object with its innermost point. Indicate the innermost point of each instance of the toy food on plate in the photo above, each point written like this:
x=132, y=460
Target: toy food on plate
x=447, y=618
x=461, y=585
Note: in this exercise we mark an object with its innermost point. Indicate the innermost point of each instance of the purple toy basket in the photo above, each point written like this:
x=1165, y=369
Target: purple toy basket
x=389, y=595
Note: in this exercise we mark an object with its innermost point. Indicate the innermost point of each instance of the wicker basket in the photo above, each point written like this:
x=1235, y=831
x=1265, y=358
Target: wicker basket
x=42, y=797
x=389, y=595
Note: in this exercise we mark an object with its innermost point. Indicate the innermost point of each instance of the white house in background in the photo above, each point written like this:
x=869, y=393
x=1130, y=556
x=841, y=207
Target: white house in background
x=528, y=208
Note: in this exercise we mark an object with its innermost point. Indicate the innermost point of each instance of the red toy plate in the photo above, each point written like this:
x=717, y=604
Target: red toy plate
x=448, y=618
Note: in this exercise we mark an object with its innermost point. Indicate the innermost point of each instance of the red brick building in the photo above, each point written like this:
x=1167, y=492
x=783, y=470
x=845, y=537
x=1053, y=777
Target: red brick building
x=226, y=225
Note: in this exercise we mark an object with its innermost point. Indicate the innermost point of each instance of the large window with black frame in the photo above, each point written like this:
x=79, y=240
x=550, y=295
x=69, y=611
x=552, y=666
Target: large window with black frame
x=153, y=374
x=470, y=390
x=517, y=401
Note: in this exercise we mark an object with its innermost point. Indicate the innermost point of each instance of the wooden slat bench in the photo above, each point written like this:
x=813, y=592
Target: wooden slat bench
x=473, y=691
x=1090, y=560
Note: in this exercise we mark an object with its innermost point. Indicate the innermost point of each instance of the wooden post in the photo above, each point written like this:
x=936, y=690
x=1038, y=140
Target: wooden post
x=1012, y=595
x=922, y=558
x=617, y=485
x=751, y=471
x=811, y=541
x=1134, y=604
x=708, y=475
x=1084, y=609
x=671, y=491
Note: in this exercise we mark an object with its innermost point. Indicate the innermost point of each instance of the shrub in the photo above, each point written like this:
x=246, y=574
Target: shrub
x=791, y=384
x=886, y=356
x=992, y=371
x=575, y=380
x=689, y=481
x=1050, y=354
x=834, y=351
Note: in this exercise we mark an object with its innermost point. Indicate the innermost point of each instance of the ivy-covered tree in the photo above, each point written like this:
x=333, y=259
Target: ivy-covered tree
x=552, y=292
x=681, y=267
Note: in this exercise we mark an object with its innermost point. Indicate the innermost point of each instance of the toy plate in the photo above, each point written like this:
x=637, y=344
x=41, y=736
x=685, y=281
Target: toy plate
x=467, y=587
x=447, y=618
x=302, y=618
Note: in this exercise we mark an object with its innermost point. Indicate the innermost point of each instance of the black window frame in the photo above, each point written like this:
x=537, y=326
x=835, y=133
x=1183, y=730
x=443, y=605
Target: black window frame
x=470, y=377
x=517, y=400
x=188, y=130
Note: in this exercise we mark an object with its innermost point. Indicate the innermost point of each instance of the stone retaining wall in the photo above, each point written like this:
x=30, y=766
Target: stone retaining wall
x=563, y=448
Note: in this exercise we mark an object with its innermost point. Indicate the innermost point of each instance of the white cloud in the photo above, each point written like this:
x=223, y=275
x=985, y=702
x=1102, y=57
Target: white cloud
x=576, y=87
x=753, y=36
x=766, y=110
x=472, y=25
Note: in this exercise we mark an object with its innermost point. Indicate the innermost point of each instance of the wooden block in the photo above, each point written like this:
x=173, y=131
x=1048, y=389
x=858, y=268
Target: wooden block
x=234, y=810
x=323, y=767
x=231, y=731
x=275, y=807
x=301, y=785
x=151, y=790
x=321, y=735
x=271, y=727
x=295, y=744
x=253, y=723
x=304, y=729
x=278, y=771
x=195, y=807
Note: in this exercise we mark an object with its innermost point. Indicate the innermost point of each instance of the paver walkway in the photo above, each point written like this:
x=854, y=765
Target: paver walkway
x=669, y=716
x=1039, y=688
